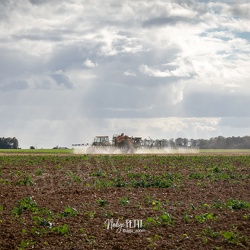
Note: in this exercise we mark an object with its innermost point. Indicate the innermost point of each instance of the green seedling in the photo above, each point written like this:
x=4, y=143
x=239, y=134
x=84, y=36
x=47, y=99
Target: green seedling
x=26, y=244
x=186, y=217
x=237, y=204
x=63, y=229
x=69, y=211
x=1, y=209
x=5, y=182
x=246, y=216
x=210, y=233
x=38, y=171
x=203, y=217
x=102, y=202
x=25, y=204
x=74, y=177
x=166, y=219
x=41, y=221
x=218, y=204
x=109, y=214
x=124, y=201
x=152, y=241
x=23, y=231
x=99, y=173
x=38, y=231
x=27, y=181
x=90, y=214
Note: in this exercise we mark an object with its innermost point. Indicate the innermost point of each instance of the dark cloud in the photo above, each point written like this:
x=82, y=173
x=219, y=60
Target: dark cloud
x=62, y=79
x=241, y=9
x=16, y=64
x=44, y=35
x=70, y=56
x=163, y=21
x=15, y=85
x=41, y=2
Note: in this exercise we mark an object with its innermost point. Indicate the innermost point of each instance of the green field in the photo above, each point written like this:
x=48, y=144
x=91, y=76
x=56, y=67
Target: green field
x=36, y=151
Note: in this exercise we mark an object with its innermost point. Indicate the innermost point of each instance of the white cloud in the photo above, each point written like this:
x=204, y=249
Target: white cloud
x=178, y=72
x=129, y=73
x=89, y=64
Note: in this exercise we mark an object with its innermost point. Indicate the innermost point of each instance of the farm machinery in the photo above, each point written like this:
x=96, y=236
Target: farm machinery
x=128, y=144
x=123, y=143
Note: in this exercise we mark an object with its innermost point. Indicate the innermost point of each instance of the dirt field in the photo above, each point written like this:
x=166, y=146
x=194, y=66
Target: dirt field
x=198, y=201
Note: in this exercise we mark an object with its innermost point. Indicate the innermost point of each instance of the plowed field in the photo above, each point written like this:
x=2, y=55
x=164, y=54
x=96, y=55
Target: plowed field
x=124, y=202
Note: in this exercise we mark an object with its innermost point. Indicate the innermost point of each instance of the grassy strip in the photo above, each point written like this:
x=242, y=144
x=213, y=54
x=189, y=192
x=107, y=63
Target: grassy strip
x=226, y=151
x=36, y=151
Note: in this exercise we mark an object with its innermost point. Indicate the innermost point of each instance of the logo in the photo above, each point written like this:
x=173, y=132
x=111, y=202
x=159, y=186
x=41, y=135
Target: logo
x=127, y=226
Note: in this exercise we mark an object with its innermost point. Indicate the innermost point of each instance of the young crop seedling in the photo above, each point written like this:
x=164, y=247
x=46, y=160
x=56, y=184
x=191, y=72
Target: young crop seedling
x=38, y=231
x=109, y=214
x=41, y=221
x=27, y=181
x=25, y=204
x=246, y=216
x=203, y=217
x=38, y=172
x=235, y=238
x=62, y=229
x=99, y=173
x=102, y=202
x=24, y=244
x=1, y=209
x=166, y=219
x=156, y=205
x=237, y=204
x=210, y=232
x=186, y=217
x=152, y=241
x=74, y=177
x=90, y=214
x=69, y=211
x=124, y=201
x=5, y=182
x=218, y=204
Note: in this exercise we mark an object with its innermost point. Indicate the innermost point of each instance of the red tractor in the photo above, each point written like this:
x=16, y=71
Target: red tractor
x=126, y=144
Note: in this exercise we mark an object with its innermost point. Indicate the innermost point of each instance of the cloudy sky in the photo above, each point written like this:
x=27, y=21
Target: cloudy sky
x=73, y=69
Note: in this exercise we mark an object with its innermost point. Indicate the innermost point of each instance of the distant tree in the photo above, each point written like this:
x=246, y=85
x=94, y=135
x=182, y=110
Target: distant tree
x=32, y=147
x=221, y=142
x=179, y=142
x=171, y=142
x=202, y=144
x=185, y=142
x=193, y=143
x=8, y=143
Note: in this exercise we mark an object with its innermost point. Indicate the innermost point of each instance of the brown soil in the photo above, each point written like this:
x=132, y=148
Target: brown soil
x=73, y=181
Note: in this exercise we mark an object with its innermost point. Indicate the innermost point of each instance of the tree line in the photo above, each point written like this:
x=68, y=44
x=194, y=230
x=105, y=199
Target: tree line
x=219, y=142
x=8, y=143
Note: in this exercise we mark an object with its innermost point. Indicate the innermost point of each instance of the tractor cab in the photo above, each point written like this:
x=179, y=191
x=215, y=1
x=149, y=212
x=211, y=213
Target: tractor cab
x=101, y=141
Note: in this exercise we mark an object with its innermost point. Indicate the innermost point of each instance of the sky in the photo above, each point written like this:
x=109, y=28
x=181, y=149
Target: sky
x=74, y=69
